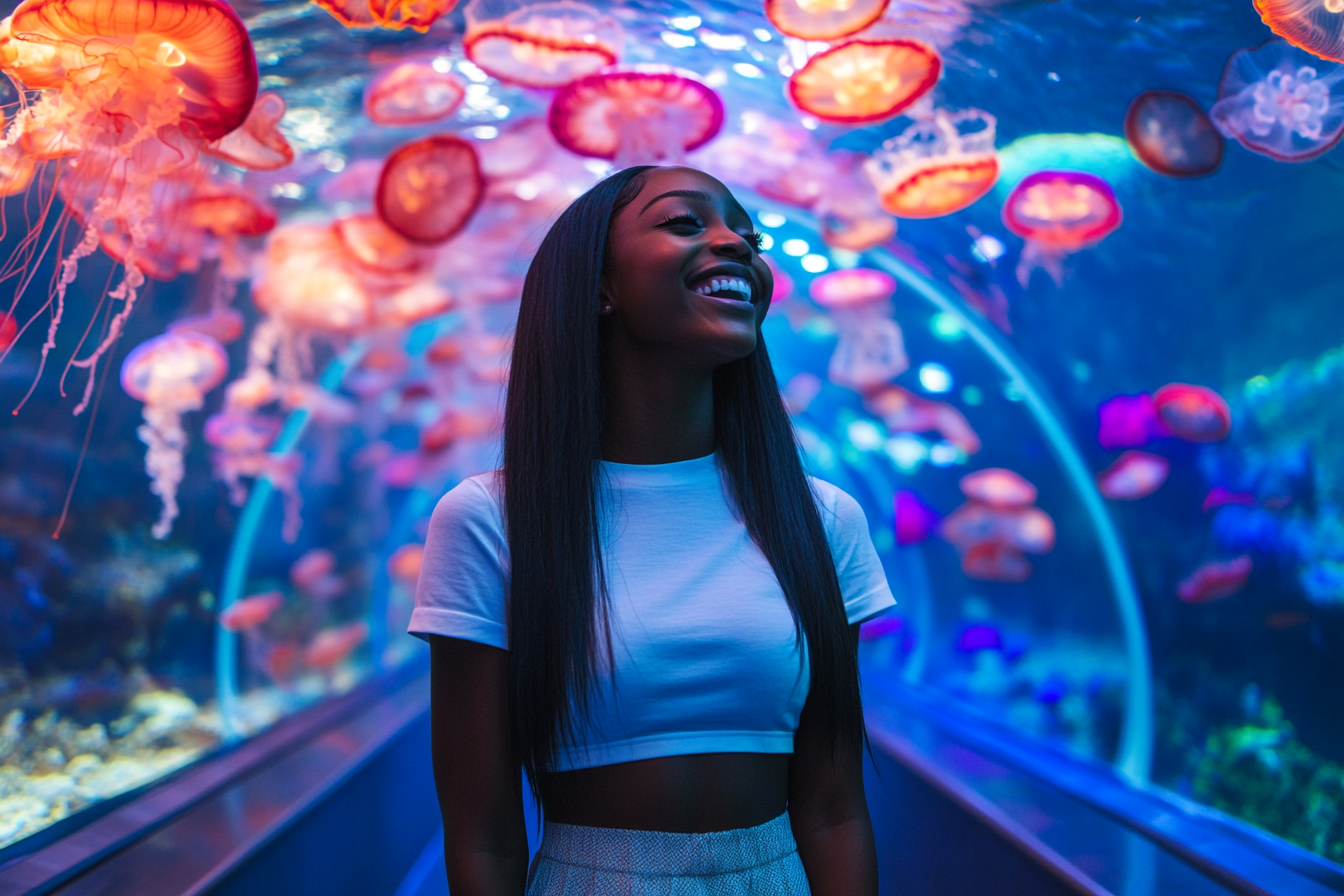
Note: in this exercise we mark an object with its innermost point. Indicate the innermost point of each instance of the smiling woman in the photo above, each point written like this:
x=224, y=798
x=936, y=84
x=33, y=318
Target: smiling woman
x=650, y=607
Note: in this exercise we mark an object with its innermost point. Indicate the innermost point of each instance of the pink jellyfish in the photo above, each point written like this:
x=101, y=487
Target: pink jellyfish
x=412, y=93
x=998, y=487
x=258, y=145
x=939, y=165
x=866, y=79
x=1280, y=102
x=823, y=19
x=1314, y=25
x=871, y=350
x=1193, y=413
x=998, y=525
x=636, y=115
x=430, y=188
x=1215, y=580
x=1057, y=213
x=540, y=44
x=1134, y=475
x=1172, y=135
x=170, y=374
x=1128, y=421
x=903, y=411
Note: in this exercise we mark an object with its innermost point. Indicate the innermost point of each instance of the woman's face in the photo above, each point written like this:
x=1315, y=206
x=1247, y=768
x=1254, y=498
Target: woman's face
x=685, y=274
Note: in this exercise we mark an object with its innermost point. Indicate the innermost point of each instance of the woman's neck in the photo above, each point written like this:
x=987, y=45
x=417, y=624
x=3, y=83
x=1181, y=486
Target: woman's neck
x=656, y=410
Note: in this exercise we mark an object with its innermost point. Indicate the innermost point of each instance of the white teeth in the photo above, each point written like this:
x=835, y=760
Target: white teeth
x=726, y=284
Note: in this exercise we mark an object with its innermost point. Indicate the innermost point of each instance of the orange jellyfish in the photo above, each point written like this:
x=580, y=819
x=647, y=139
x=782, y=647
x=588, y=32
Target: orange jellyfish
x=350, y=13
x=1059, y=212
x=636, y=115
x=430, y=188
x=412, y=93
x=303, y=282
x=1193, y=413
x=258, y=145
x=405, y=562
x=865, y=79
x=871, y=349
x=1172, y=135
x=540, y=44
x=939, y=165
x=823, y=19
x=170, y=374
x=129, y=92
x=1316, y=26
x=417, y=15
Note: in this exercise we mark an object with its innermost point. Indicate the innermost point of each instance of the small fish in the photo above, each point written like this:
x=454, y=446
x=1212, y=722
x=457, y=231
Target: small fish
x=979, y=637
x=1215, y=580
x=1221, y=497
x=251, y=611
x=915, y=520
x=1134, y=475
x=311, y=567
x=332, y=645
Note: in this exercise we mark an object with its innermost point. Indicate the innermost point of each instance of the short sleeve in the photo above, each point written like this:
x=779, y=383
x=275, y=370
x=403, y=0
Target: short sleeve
x=863, y=583
x=464, y=577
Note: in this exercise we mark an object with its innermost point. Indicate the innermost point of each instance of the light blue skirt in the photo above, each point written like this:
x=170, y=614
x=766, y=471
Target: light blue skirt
x=575, y=860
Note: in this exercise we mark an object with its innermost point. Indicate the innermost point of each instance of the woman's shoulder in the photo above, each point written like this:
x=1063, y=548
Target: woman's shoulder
x=475, y=500
x=839, y=511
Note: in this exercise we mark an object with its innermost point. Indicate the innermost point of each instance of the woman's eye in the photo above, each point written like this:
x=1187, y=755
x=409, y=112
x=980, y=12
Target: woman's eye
x=754, y=239
x=682, y=221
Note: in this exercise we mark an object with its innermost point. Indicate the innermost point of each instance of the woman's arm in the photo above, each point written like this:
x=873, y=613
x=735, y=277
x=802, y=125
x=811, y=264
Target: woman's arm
x=479, y=787
x=829, y=812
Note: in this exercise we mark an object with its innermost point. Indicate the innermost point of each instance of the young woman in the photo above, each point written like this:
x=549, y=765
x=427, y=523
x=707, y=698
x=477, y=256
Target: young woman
x=650, y=608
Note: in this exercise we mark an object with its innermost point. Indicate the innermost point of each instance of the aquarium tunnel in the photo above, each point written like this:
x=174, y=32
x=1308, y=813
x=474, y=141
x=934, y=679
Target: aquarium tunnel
x=1057, y=299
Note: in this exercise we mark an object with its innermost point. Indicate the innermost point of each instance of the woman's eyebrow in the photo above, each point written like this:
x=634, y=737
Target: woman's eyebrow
x=700, y=195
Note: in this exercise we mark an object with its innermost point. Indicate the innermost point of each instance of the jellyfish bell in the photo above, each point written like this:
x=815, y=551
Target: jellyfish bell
x=350, y=13
x=430, y=188
x=250, y=611
x=998, y=487
x=375, y=247
x=1215, y=580
x=1134, y=475
x=229, y=213
x=903, y=411
x=304, y=281
x=1193, y=413
x=410, y=93
x=258, y=144
x=940, y=164
x=823, y=19
x=240, y=432
x=1316, y=26
x=417, y=15
x=865, y=80
x=1281, y=102
x=852, y=288
x=871, y=348
x=1059, y=212
x=1172, y=135
x=170, y=374
x=540, y=44
x=643, y=114
x=311, y=567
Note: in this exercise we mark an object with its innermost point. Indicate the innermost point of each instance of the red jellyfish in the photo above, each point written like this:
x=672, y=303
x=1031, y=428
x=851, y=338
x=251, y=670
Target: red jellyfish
x=998, y=525
x=170, y=374
x=1134, y=475
x=9, y=330
x=540, y=44
x=871, y=349
x=1193, y=413
x=258, y=145
x=636, y=115
x=939, y=165
x=1215, y=581
x=1172, y=135
x=430, y=188
x=1280, y=102
x=1313, y=25
x=1059, y=212
x=823, y=19
x=412, y=93
x=865, y=80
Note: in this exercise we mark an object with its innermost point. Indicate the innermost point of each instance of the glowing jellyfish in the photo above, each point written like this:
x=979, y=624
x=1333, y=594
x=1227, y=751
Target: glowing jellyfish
x=1280, y=102
x=170, y=374
x=330, y=646
x=1134, y=475
x=636, y=115
x=1172, y=135
x=412, y=93
x=998, y=526
x=998, y=487
x=865, y=80
x=780, y=160
x=430, y=188
x=823, y=19
x=303, y=282
x=251, y=611
x=350, y=13
x=258, y=145
x=1215, y=580
x=1316, y=26
x=9, y=330
x=1128, y=421
x=540, y=44
x=871, y=349
x=394, y=14
x=132, y=90
x=405, y=563
x=903, y=411
x=939, y=165
x=378, y=248
x=1057, y=213
x=1193, y=413
x=848, y=210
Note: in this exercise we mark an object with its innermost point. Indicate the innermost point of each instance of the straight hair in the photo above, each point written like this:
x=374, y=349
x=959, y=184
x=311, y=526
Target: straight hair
x=552, y=506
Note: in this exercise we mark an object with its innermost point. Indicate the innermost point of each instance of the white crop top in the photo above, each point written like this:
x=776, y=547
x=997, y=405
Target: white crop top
x=706, y=659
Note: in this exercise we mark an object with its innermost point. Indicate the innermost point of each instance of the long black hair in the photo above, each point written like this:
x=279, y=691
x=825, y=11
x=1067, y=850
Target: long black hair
x=552, y=449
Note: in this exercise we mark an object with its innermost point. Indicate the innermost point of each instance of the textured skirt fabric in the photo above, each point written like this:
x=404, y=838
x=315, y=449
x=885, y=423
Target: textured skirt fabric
x=576, y=860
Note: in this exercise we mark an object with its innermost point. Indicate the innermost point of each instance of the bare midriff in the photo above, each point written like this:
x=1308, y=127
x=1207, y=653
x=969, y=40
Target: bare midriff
x=696, y=793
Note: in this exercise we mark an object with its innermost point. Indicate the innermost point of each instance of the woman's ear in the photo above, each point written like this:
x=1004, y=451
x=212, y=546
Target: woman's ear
x=604, y=298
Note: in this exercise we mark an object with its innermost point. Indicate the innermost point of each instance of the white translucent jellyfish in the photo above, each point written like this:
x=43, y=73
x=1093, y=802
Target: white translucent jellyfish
x=1281, y=102
x=939, y=165
x=170, y=374
x=871, y=350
